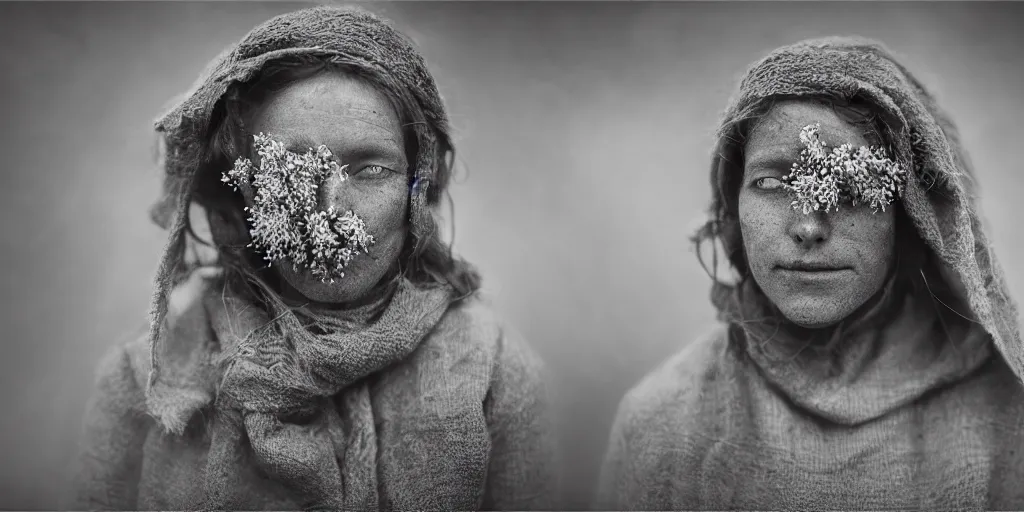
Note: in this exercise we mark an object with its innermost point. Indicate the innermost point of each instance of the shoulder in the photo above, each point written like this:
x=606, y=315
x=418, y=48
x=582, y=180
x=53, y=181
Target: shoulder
x=687, y=388
x=473, y=320
x=666, y=425
x=137, y=354
x=121, y=374
x=472, y=326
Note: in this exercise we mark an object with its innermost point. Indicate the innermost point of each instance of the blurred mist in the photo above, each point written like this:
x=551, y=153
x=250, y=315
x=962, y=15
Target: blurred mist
x=583, y=132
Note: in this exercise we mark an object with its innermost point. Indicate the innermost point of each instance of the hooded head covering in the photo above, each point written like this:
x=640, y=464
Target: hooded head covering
x=353, y=36
x=939, y=198
x=905, y=412
x=290, y=393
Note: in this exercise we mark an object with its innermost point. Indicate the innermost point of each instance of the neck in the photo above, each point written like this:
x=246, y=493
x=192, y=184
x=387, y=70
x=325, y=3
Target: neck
x=883, y=356
x=748, y=309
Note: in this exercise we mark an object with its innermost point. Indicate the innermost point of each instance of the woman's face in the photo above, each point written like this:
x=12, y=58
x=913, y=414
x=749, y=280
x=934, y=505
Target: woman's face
x=361, y=128
x=820, y=267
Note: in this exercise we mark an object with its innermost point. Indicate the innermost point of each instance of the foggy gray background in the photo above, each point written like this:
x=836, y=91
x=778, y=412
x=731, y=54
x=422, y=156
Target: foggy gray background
x=583, y=132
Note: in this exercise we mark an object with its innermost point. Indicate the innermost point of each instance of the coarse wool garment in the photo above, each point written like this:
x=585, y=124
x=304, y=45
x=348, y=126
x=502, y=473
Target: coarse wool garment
x=419, y=400
x=913, y=414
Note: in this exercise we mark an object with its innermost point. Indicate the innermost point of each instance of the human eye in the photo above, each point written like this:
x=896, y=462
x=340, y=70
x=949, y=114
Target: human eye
x=768, y=183
x=372, y=172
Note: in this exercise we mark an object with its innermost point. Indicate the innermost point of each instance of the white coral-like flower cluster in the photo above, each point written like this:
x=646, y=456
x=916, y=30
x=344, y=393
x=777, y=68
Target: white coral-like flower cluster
x=823, y=179
x=285, y=221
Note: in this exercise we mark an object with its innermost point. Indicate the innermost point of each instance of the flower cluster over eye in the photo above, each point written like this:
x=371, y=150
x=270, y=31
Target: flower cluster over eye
x=824, y=178
x=285, y=221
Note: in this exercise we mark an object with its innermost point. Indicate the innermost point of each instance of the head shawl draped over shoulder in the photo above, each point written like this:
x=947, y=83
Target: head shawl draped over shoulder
x=902, y=404
x=359, y=38
x=269, y=364
x=939, y=196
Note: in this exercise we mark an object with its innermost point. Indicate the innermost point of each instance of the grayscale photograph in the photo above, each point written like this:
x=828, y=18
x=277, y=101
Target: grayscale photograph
x=512, y=255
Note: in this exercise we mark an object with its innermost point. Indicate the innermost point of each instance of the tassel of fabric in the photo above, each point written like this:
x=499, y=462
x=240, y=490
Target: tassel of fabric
x=360, y=448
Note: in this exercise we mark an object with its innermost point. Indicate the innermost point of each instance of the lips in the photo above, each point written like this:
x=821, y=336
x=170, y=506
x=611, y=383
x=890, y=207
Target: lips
x=812, y=266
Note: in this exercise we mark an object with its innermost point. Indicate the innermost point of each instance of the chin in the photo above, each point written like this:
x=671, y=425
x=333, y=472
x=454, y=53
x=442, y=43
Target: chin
x=812, y=312
x=350, y=288
x=328, y=293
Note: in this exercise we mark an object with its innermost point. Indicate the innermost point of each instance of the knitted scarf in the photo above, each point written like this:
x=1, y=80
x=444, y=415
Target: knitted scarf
x=293, y=400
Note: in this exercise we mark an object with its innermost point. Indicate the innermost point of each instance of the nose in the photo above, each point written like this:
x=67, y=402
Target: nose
x=810, y=229
x=332, y=191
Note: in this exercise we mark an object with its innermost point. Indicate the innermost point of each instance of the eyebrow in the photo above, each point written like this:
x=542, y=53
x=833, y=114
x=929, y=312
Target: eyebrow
x=772, y=159
x=301, y=144
x=358, y=149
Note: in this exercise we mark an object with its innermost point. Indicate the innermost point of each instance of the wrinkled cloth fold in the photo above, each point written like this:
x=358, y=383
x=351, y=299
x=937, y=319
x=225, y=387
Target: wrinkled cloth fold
x=328, y=464
x=888, y=355
x=298, y=405
x=458, y=424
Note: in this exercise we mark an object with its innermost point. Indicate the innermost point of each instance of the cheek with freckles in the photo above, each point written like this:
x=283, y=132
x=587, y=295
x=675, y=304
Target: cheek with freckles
x=383, y=206
x=762, y=228
x=857, y=237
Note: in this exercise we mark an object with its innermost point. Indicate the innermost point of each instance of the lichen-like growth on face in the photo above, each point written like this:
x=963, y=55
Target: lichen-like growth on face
x=286, y=224
x=822, y=179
